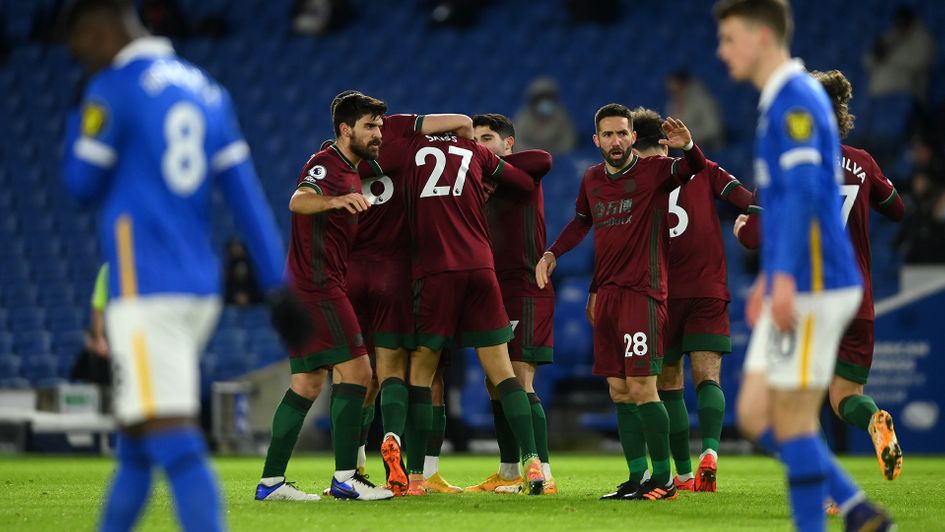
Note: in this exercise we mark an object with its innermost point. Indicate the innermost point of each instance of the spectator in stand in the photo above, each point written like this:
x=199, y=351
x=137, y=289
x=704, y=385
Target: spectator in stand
x=901, y=58
x=690, y=102
x=241, y=288
x=163, y=17
x=92, y=364
x=922, y=238
x=543, y=122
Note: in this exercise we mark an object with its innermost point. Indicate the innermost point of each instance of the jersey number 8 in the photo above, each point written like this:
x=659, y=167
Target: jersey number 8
x=184, y=163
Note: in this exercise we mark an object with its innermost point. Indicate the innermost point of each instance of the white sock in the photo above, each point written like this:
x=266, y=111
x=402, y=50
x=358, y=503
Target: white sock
x=508, y=471
x=362, y=456
x=344, y=476
x=431, y=464
x=546, y=469
x=709, y=451
x=685, y=477
x=646, y=476
x=271, y=481
x=396, y=437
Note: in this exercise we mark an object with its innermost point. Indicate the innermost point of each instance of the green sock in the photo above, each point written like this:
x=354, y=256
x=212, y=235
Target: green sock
x=286, y=424
x=508, y=448
x=630, y=432
x=656, y=431
x=711, y=414
x=419, y=423
x=540, y=424
x=519, y=415
x=347, y=406
x=394, y=405
x=367, y=418
x=857, y=410
x=437, y=431
x=678, y=429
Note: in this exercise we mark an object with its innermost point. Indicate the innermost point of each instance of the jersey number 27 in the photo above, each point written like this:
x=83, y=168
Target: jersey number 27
x=431, y=189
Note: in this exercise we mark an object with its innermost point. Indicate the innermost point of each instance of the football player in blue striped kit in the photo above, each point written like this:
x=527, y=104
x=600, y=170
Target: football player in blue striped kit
x=155, y=134
x=810, y=286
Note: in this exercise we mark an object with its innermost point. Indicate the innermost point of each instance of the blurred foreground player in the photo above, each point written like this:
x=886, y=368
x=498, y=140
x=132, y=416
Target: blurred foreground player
x=156, y=133
x=809, y=287
x=864, y=186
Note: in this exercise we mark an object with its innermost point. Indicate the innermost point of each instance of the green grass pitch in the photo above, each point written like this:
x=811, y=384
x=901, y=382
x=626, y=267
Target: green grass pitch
x=60, y=494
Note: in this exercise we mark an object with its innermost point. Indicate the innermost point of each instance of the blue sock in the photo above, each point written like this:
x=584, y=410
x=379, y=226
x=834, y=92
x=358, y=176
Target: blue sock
x=182, y=455
x=807, y=482
x=767, y=442
x=844, y=492
x=130, y=487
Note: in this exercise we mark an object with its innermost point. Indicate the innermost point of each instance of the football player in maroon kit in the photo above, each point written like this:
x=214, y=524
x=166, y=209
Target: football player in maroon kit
x=517, y=232
x=325, y=209
x=624, y=199
x=864, y=185
x=378, y=285
x=456, y=294
x=698, y=323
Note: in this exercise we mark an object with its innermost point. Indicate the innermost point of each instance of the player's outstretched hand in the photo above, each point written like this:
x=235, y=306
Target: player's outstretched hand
x=546, y=265
x=739, y=223
x=783, y=294
x=353, y=203
x=289, y=317
x=677, y=134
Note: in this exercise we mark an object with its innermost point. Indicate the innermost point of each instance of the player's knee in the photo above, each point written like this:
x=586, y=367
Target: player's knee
x=619, y=394
x=671, y=378
x=643, y=390
x=308, y=385
x=839, y=390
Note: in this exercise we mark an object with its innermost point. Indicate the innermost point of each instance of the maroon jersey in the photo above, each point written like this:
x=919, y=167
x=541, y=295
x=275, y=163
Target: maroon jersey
x=696, y=251
x=864, y=185
x=443, y=178
x=320, y=243
x=382, y=229
x=517, y=228
x=628, y=213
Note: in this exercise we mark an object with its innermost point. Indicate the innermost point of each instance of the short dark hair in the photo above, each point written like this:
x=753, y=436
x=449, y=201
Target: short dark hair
x=649, y=127
x=76, y=9
x=496, y=122
x=775, y=14
x=612, y=109
x=840, y=92
x=340, y=96
x=350, y=108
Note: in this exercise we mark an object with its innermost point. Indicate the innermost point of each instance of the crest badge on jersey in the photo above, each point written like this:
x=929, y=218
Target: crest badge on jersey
x=94, y=116
x=799, y=124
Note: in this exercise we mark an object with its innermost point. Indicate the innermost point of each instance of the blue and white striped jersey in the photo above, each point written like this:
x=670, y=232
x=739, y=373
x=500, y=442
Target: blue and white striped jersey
x=155, y=134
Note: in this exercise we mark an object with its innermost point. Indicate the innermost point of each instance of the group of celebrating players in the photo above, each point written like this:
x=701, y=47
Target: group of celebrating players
x=414, y=232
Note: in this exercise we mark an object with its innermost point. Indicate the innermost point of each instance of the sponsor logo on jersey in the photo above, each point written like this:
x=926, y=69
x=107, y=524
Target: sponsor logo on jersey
x=799, y=124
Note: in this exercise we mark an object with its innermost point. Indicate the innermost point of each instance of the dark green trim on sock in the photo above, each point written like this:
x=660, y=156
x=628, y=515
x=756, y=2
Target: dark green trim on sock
x=540, y=425
x=296, y=401
x=419, y=424
x=711, y=403
x=857, y=410
x=656, y=432
x=678, y=429
x=348, y=389
x=287, y=422
x=508, y=448
x=630, y=432
x=508, y=385
x=437, y=431
x=519, y=416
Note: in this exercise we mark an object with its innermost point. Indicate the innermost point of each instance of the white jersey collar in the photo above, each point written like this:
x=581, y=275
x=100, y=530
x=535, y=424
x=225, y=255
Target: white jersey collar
x=777, y=80
x=143, y=47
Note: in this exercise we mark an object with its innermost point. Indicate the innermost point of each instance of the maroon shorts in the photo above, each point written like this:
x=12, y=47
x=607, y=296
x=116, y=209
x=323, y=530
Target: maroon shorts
x=533, y=325
x=381, y=296
x=465, y=305
x=696, y=324
x=856, y=352
x=628, y=333
x=336, y=337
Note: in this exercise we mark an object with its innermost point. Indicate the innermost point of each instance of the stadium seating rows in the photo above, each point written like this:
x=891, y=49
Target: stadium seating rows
x=282, y=84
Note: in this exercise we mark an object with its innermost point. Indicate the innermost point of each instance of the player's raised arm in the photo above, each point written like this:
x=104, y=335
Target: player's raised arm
x=92, y=136
x=503, y=172
x=461, y=125
x=678, y=136
x=535, y=163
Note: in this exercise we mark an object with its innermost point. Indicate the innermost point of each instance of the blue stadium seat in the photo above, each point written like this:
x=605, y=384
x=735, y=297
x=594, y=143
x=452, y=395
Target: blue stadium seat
x=39, y=369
